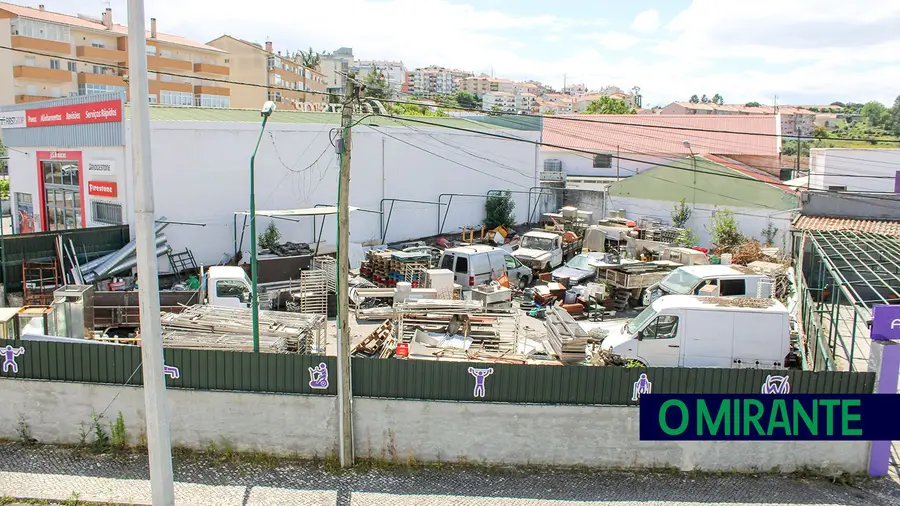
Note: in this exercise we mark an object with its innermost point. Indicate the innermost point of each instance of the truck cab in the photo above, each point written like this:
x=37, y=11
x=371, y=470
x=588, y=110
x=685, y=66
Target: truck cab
x=541, y=251
x=226, y=286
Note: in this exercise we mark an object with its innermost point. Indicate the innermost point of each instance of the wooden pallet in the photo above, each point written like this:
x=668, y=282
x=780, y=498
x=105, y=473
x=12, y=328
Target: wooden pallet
x=373, y=343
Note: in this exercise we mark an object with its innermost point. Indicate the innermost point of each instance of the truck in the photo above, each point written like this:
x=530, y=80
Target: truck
x=543, y=251
x=714, y=280
x=693, y=331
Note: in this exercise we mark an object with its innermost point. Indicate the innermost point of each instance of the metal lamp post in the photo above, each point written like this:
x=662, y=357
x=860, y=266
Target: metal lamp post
x=267, y=110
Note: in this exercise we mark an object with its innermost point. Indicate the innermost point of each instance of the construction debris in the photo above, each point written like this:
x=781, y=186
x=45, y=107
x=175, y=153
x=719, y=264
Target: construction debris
x=220, y=328
x=373, y=343
x=566, y=337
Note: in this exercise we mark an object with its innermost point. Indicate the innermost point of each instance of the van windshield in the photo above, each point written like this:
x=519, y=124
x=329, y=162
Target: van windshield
x=539, y=243
x=679, y=282
x=635, y=324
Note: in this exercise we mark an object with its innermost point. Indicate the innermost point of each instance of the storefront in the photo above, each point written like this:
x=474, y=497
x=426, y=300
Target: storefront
x=65, y=159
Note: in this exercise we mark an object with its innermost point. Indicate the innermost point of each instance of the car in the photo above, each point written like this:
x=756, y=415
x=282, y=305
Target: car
x=579, y=269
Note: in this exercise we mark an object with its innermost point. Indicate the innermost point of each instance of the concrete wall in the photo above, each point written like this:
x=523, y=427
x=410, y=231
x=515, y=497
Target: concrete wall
x=882, y=164
x=875, y=207
x=596, y=436
x=582, y=164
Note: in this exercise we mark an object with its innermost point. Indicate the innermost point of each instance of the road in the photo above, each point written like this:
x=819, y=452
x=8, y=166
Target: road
x=58, y=474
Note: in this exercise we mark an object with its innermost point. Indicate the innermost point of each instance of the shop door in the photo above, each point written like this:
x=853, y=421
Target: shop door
x=62, y=195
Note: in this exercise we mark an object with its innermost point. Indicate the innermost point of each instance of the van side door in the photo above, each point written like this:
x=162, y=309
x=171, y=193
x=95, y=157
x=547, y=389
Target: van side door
x=659, y=343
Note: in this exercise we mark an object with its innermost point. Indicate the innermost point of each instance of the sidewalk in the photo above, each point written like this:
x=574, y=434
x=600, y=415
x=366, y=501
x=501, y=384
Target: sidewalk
x=59, y=474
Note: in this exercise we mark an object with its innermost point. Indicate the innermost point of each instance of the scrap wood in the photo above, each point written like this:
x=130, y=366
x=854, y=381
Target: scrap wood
x=373, y=343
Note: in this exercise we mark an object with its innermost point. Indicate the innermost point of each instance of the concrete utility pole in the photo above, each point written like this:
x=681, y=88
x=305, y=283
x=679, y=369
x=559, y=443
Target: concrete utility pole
x=159, y=446
x=344, y=394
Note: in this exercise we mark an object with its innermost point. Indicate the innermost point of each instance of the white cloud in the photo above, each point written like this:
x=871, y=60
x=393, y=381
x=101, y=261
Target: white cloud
x=646, y=21
x=614, y=41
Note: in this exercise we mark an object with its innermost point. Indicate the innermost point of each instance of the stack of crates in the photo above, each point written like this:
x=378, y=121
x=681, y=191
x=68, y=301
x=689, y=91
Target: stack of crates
x=409, y=267
x=377, y=268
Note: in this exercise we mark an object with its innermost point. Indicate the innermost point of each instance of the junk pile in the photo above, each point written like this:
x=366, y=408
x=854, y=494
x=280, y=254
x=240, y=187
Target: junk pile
x=117, y=262
x=568, y=340
x=291, y=249
x=220, y=328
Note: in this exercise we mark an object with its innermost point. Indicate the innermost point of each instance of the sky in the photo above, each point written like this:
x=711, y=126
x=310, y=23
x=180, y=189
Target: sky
x=804, y=52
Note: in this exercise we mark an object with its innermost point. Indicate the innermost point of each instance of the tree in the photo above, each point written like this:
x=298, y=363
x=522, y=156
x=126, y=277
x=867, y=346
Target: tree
x=838, y=104
x=724, y=231
x=717, y=99
x=875, y=114
x=895, y=118
x=752, y=104
x=704, y=99
x=499, y=211
x=686, y=238
x=680, y=214
x=695, y=99
x=309, y=59
x=376, y=85
x=466, y=100
x=819, y=132
x=608, y=105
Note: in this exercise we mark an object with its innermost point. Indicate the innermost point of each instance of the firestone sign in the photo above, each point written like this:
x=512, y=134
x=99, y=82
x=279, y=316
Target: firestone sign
x=103, y=189
x=109, y=111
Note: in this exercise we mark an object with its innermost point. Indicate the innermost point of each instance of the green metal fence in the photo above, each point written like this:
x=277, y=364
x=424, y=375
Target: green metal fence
x=89, y=243
x=406, y=379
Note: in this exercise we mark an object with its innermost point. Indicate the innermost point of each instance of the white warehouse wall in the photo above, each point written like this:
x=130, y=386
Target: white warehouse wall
x=883, y=164
x=751, y=221
x=201, y=174
x=582, y=164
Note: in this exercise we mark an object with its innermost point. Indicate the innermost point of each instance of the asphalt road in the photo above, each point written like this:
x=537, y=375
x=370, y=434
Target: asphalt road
x=58, y=474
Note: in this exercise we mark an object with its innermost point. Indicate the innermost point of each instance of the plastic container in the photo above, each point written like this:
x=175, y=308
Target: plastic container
x=402, y=350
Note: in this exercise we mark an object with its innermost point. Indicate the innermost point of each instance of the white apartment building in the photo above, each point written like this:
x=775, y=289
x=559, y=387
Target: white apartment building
x=499, y=101
x=434, y=80
x=527, y=102
x=335, y=66
x=394, y=72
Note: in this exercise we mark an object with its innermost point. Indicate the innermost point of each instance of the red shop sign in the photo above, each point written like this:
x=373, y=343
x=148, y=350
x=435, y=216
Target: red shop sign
x=103, y=189
x=77, y=114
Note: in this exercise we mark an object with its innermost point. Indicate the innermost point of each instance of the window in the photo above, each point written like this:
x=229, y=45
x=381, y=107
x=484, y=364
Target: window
x=72, y=66
x=462, y=265
x=230, y=288
x=100, y=69
x=177, y=98
x=40, y=30
x=664, y=327
x=62, y=194
x=837, y=188
x=511, y=262
x=91, y=89
x=107, y=213
x=24, y=213
x=97, y=43
x=54, y=64
x=732, y=287
x=151, y=50
x=447, y=262
x=602, y=161
x=153, y=99
x=216, y=101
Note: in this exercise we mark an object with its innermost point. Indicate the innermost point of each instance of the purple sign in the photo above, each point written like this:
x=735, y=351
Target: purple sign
x=171, y=371
x=9, y=358
x=480, y=375
x=886, y=323
x=318, y=377
x=897, y=182
x=777, y=385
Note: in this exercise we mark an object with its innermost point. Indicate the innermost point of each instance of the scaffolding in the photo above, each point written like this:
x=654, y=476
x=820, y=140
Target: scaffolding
x=841, y=276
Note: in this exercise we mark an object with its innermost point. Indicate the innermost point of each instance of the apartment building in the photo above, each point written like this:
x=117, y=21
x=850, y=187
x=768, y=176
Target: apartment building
x=276, y=76
x=335, y=66
x=794, y=120
x=527, y=102
x=477, y=85
x=434, y=80
x=82, y=55
x=499, y=101
x=394, y=72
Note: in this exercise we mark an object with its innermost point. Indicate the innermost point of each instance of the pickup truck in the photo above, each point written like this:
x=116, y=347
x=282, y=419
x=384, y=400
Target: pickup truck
x=543, y=251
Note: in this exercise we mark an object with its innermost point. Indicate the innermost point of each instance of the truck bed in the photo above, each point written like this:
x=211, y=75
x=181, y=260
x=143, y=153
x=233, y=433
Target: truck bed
x=620, y=279
x=121, y=309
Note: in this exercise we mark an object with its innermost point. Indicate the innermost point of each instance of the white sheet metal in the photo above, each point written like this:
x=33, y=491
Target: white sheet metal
x=310, y=211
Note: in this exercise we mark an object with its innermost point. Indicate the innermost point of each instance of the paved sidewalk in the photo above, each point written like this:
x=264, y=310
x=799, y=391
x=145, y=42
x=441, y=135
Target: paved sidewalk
x=58, y=474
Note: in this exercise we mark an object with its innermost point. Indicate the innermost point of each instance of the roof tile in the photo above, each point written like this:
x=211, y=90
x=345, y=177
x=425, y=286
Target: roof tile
x=824, y=223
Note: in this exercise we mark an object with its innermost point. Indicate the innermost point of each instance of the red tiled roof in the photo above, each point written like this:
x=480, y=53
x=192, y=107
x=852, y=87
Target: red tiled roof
x=883, y=227
x=751, y=172
x=631, y=133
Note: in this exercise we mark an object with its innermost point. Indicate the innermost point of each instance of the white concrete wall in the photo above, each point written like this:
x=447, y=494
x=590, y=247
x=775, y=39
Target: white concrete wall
x=582, y=164
x=201, y=174
x=881, y=163
x=596, y=436
x=751, y=222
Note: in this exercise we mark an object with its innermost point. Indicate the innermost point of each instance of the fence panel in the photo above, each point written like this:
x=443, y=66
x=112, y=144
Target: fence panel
x=409, y=379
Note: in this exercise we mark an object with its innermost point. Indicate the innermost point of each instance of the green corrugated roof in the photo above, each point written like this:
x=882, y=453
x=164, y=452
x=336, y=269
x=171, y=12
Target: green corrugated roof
x=165, y=113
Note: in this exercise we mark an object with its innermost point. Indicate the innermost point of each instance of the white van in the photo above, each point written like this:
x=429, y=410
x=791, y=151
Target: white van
x=474, y=265
x=691, y=331
x=716, y=280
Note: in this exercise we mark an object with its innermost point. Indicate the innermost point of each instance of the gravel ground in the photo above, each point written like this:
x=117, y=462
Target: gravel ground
x=53, y=473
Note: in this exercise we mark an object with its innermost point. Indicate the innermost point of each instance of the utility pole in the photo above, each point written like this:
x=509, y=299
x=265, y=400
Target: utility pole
x=159, y=445
x=344, y=394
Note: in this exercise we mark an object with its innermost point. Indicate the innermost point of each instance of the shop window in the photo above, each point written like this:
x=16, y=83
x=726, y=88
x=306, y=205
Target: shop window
x=107, y=213
x=62, y=194
x=24, y=213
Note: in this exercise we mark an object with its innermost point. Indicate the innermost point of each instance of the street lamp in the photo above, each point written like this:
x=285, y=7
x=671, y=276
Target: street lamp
x=267, y=109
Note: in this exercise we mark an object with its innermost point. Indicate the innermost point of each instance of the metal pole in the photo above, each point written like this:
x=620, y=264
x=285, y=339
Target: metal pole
x=254, y=304
x=345, y=420
x=159, y=446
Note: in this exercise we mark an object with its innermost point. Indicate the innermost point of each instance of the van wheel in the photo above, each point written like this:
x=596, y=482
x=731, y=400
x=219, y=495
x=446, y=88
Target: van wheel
x=523, y=282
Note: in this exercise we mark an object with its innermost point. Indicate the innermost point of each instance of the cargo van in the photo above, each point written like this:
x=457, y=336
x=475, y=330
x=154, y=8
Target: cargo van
x=692, y=331
x=713, y=280
x=478, y=264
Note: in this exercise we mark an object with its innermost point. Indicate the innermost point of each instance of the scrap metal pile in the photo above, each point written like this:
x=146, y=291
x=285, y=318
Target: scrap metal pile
x=219, y=328
x=567, y=339
x=117, y=262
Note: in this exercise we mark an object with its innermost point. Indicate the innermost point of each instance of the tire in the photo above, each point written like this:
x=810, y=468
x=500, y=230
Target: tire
x=524, y=282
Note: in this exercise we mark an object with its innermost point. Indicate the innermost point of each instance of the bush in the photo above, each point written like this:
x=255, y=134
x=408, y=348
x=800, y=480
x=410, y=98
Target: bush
x=681, y=214
x=499, y=210
x=269, y=238
x=4, y=189
x=686, y=238
x=724, y=230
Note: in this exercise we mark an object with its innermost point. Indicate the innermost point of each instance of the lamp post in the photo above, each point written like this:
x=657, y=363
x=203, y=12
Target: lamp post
x=267, y=110
x=687, y=144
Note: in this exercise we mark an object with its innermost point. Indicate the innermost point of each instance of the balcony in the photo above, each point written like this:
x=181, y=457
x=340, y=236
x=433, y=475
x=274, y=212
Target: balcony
x=41, y=74
x=209, y=68
x=22, y=99
x=157, y=86
x=43, y=45
x=159, y=63
x=101, y=54
x=201, y=89
x=104, y=79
